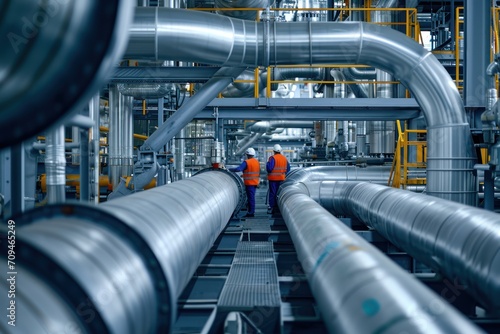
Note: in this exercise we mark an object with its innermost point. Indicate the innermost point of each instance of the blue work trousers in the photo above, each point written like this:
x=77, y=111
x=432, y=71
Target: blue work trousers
x=251, y=198
x=273, y=192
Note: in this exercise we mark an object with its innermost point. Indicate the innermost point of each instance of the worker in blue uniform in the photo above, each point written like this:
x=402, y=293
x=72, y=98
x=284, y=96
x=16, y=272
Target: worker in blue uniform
x=251, y=177
x=277, y=166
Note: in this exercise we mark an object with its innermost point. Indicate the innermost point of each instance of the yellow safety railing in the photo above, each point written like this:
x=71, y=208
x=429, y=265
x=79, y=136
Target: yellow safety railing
x=400, y=174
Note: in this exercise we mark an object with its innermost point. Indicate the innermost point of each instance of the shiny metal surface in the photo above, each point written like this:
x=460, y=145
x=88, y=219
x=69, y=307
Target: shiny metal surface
x=375, y=174
x=127, y=134
x=232, y=42
x=128, y=258
x=95, y=165
x=381, y=137
x=357, y=288
x=265, y=126
x=247, y=143
x=190, y=108
x=241, y=14
x=40, y=59
x=49, y=314
x=243, y=89
x=457, y=240
x=104, y=265
x=115, y=137
x=189, y=212
x=55, y=165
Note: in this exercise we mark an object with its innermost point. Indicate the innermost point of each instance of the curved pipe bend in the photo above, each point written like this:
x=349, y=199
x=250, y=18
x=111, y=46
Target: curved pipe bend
x=231, y=42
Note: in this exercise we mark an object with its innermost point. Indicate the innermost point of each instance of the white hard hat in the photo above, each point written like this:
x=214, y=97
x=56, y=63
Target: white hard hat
x=277, y=148
x=250, y=151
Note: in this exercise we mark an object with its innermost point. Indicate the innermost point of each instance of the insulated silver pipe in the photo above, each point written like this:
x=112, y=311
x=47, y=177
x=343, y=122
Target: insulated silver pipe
x=219, y=40
x=145, y=90
x=127, y=134
x=264, y=126
x=40, y=59
x=95, y=162
x=55, y=165
x=459, y=241
x=252, y=139
x=209, y=91
x=375, y=174
x=356, y=73
x=382, y=133
x=180, y=150
x=357, y=288
x=115, y=137
x=117, y=269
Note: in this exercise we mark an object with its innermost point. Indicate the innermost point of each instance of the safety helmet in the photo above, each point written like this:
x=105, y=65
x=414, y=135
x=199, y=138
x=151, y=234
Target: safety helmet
x=250, y=151
x=277, y=148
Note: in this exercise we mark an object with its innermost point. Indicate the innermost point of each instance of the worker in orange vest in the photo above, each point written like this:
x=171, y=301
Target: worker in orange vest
x=251, y=176
x=277, y=166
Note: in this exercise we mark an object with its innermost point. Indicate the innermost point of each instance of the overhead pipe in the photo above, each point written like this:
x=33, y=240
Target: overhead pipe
x=38, y=48
x=214, y=39
x=357, y=288
x=265, y=126
x=55, y=165
x=459, y=241
x=365, y=74
x=251, y=140
x=375, y=174
x=145, y=91
x=94, y=142
x=175, y=123
x=117, y=269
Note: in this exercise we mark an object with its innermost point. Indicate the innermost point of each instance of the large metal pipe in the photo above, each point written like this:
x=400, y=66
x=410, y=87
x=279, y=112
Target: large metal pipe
x=55, y=165
x=115, y=137
x=175, y=123
x=232, y=42
x=374, y=174
x=247, y=143
x=459, y=241
x=382, y=133
x=264, y=126
x=115, y=268
x=127, y=134
x=357, y=288
x=94, y=142
x=39, y=51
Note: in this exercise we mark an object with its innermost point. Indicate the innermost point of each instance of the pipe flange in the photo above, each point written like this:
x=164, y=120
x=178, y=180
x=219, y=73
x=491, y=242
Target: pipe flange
x=43, y=265
x=55, y=59
x=239, y=182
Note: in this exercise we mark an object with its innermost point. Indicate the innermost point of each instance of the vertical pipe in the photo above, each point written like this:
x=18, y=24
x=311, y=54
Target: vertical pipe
x=94, y=141
x=85, y=166
x=17, y=179
x=114, y=138
x=75, y=152
x=179, y=154
x=382, y=132
x=127, y=134
x=55, y=165
x=477, y=51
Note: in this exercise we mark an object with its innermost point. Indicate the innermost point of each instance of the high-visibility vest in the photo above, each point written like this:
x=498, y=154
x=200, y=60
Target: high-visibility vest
x=279, y=170
x=252, y=172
